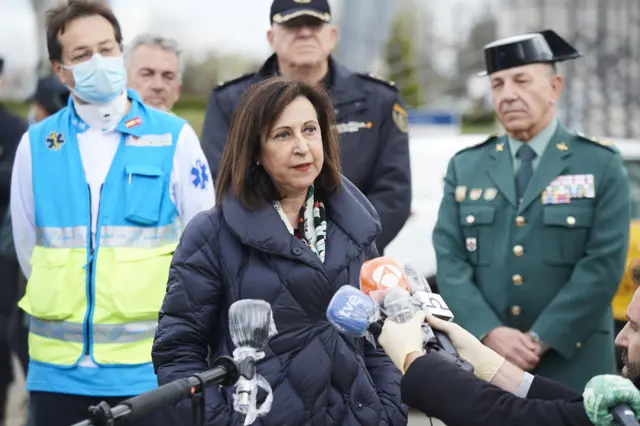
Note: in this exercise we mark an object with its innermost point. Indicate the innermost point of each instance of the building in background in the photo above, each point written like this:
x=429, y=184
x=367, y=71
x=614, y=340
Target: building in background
x=602, y=92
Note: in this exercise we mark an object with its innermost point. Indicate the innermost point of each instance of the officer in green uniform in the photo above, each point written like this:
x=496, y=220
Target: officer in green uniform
x=532, y=231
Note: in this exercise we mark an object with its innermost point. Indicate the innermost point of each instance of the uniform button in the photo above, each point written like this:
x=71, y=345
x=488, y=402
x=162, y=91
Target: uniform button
x=297, y=251
x=470, y=219
x=571, y=220
x=516, y=310
x=520, y=221
x=517, y=279
x=359, y=405
x=578, y=345
x=518, y=250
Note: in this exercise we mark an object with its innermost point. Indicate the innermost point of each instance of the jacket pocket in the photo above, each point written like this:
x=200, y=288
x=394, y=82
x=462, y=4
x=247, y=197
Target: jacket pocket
x=476, y=224
x=566, y=231
x=144, y=193
x=136, y=286
x=56, y=289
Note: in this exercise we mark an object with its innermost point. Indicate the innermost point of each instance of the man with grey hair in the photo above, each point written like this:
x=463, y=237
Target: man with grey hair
x=153, y=70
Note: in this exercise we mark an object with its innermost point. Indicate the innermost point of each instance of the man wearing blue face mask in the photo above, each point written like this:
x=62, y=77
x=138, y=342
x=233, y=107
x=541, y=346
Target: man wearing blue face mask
x=100, y=193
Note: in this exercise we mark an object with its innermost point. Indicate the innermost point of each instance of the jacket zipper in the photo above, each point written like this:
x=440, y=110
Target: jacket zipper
x=90, y=266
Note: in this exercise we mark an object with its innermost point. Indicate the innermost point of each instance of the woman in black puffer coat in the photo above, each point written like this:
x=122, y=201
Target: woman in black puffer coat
x=288, y=229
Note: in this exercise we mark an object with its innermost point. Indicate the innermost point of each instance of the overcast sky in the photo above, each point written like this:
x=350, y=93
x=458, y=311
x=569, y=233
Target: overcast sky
x=199, y=25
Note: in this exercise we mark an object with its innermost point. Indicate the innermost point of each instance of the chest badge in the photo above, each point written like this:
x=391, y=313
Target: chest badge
x=472, y=245
x=475, y=194
x=490, y=194
x=55, y=141
x=353, y=126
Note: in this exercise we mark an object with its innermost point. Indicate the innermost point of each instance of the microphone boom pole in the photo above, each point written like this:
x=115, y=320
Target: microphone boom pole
x=224, y=373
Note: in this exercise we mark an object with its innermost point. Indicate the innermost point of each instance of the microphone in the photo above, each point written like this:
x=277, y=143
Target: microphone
x=431, y=304
x=354, y=313
x=609, y=395
x=434, y=304
x=387, y=282
x=251, y=325
x=399, y=306
x=624, y=415
x=379, y=275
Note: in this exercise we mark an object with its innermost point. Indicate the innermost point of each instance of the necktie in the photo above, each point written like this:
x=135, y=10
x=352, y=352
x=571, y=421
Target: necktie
x=526, y=154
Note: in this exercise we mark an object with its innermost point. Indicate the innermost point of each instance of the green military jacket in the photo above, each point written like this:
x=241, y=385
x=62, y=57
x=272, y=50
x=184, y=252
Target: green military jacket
x=551, y=265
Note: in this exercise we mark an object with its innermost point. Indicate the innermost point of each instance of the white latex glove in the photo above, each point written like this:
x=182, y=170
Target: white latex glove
x=400, y=340
x=485, y=361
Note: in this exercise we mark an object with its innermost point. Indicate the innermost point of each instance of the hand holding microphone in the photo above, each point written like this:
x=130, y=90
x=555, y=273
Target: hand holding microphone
x=399, y=340
x=612, y=400
x=485, y=361
x=354, y=314
x=383, y=275
x=401, y=291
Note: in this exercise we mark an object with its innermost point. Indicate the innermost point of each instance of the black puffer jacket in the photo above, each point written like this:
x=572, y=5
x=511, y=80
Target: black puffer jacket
x=319, y=377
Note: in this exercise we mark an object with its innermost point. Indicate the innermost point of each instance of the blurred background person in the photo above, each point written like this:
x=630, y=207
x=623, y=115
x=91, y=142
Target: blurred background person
x=50, y=97
x=288, y=229
x=12, y=128
x=154, y=69
x=371, y=117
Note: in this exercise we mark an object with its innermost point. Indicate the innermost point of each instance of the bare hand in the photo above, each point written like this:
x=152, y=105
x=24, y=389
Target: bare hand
x=517, y=347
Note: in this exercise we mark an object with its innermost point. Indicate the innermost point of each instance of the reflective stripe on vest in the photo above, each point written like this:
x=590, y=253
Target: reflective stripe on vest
x=110, y=236
x=101, y=297
x=102, y=333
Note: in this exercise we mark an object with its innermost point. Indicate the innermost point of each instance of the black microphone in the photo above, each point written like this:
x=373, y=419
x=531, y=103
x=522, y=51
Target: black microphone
x=433, y=304
x=624, y=415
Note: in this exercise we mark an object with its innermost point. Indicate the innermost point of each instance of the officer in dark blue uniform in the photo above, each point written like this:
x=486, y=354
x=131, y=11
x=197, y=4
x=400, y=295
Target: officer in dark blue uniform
x=370, y=116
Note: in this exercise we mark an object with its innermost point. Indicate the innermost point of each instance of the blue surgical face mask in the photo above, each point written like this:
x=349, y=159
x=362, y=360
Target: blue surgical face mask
x=100, y=79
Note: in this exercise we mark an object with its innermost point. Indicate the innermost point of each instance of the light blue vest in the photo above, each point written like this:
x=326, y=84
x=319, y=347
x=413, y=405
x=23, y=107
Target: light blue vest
x=135, y=208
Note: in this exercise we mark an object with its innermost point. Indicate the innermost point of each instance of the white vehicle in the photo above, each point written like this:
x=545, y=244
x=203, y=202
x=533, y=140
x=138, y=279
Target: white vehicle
x=429, y=160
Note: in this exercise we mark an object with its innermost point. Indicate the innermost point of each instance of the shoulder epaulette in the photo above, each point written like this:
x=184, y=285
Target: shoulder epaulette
x=377, y=79
x=490, y=139
x=603, y=143
x=227, y=83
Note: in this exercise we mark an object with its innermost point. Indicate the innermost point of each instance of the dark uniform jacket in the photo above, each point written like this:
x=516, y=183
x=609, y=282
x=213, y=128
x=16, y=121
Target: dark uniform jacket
x=12, y=128
x=374, y=142
x=458, y=398
x=551, y=265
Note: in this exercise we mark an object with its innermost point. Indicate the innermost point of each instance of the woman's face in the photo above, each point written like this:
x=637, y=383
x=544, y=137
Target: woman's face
x=291, y=153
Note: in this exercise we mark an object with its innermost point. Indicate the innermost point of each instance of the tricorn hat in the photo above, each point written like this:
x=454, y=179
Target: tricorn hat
x=524, y=49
